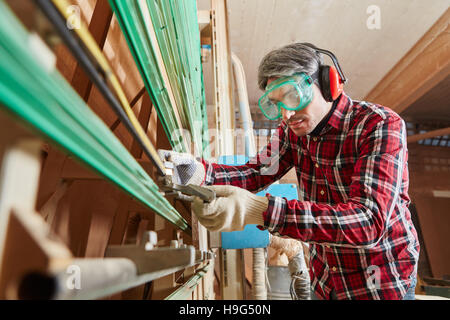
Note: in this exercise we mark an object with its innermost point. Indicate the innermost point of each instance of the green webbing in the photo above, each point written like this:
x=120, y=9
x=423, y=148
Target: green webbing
x=177, y=32
x=49, y=104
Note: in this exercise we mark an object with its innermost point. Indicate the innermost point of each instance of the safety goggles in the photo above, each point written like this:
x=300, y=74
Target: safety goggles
x=291, y=93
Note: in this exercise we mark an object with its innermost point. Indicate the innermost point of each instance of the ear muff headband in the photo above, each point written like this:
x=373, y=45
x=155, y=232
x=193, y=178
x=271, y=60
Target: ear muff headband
x=331, y=78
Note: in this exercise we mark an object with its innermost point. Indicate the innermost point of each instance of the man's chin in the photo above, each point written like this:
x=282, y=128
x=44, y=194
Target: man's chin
x=300, y=132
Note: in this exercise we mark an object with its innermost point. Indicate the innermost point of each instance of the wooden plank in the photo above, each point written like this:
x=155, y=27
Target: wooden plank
x=55, y=161
x=28, y=249
x=68, y=66
x=99, y=27
x=204, y=18
x=85, y=216
x=428, y=135
x=118, y=228
x=135, y=229
x=144, y=119
x=48, y=210
x=102, y=217
x=73, y=170
x=24, y=242
x=162, y=287
x=232, y=272
x=152, y=34
x=222, y=79
x=133, y=102
x=425, y=65
x=50, y=175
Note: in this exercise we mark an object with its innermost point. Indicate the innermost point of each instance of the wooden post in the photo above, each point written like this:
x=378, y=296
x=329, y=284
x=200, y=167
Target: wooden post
x=24, y=242
x=99, y=27
x=222, y=78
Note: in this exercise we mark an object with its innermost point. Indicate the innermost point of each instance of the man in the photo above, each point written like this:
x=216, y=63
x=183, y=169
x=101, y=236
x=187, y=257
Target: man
x=351, y=164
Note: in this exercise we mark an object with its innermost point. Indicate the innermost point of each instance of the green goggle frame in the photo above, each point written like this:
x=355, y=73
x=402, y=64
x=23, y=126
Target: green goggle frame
x=299, y=89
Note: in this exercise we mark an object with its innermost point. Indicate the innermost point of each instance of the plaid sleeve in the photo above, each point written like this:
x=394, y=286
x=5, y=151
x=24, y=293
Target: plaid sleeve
x=269, y=165
x=374, y=192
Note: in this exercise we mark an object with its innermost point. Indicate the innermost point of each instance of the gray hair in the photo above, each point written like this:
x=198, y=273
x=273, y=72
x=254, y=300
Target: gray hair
x=287, y=60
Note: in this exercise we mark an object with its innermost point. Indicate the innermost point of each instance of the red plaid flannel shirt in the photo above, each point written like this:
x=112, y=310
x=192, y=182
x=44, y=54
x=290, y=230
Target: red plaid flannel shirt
x=353, y=200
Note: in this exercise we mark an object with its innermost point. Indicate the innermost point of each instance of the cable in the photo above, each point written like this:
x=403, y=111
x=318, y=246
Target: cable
x=123, y=109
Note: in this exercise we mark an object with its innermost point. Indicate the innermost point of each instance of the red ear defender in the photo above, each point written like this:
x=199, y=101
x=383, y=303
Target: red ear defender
x=336, y=83
x=331, y=78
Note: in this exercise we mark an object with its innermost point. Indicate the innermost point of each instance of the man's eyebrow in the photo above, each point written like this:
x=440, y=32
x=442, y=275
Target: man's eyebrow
x=284, y=95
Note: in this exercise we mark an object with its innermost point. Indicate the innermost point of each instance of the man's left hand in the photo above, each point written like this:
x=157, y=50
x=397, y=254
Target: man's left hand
x=232, y=209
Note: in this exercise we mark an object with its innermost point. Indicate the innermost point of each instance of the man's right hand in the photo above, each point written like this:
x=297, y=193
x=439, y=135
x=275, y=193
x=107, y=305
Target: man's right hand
x=187, y=170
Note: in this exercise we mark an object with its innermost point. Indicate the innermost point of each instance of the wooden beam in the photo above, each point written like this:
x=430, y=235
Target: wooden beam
x=121, y=214
x=204, y=18
x=222, y=78
x=73, y=170
x=55, y=162
x=425, y=65
x=144, y=119
x=428, y=135
x=24, y=243
x=132, y=104
x=98, y=26
x=162, y=68
x=48, y=210
x=50, y=175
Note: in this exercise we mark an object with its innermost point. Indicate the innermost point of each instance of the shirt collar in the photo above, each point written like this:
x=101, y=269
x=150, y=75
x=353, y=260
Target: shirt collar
x=337, y=119
x=319, y=128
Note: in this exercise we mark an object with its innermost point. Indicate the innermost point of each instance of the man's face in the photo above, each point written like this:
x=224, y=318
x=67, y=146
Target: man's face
x=303, y=122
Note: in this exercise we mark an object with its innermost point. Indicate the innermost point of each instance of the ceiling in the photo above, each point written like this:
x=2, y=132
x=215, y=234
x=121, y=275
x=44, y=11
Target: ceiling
x=432, y=106
x=258, y=26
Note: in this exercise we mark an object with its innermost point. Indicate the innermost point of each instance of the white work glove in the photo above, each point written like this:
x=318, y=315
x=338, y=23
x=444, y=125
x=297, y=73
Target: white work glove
x=232, y=209
x=187, y=169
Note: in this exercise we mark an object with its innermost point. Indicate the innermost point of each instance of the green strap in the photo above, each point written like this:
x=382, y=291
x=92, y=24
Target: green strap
x=177, y=32
x=49, y=104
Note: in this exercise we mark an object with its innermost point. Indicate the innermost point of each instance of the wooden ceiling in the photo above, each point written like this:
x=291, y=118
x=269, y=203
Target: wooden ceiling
x=432, y=106
x=366, y=56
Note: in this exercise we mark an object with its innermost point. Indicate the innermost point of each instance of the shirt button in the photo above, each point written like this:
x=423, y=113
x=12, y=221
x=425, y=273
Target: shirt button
x=315, y=138
x=334, y=269
x=317, y=165
x=322, y=192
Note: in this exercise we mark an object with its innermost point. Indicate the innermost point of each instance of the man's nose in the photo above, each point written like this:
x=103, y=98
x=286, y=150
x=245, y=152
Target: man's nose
x=287, y=114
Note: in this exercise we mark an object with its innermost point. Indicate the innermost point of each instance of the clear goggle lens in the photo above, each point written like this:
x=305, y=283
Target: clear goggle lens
x=291, y=93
